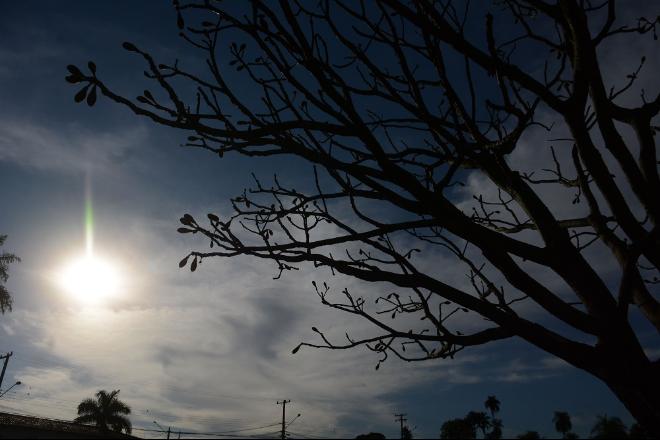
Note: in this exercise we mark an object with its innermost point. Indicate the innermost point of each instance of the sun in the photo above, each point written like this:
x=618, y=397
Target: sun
x=90, y=279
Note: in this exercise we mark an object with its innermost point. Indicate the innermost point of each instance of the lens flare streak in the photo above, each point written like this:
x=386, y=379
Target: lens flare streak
x=89, y=279
x=89, y=218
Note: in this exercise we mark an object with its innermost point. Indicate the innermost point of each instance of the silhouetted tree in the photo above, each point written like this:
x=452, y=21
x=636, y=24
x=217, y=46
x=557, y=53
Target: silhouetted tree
x=609, y=427
x=107, y=412
x=407, y=433
x=395, y=105
x=496, y=429
x=371, y=436
x=637, y=431
x=479, y=420
x=457, y=428
x=529, y=435
x=6, y=259
x=562, y=421
x=492, y=405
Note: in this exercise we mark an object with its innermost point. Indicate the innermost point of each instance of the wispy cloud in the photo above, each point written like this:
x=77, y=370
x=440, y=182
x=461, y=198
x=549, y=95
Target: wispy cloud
x=71, y=149
x=518, y=370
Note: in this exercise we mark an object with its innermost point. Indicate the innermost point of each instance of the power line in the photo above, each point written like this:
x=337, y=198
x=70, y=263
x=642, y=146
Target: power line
x=34, y=395
x=212, y=434
x=47, y=402
x=26, y=413
x=169, y=429
x=18, y=400
x=41, y=400
x=250, y=429
x=217, y=434
x=306, y=435
x=234, y=433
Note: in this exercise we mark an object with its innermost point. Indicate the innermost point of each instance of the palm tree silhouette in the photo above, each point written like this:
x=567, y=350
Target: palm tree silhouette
x=492, y=405
x=107, y=412
x=609, y=427
x=562, y=422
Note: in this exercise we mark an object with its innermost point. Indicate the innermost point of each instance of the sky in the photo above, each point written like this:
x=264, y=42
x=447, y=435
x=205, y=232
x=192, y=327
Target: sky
x=208, y=351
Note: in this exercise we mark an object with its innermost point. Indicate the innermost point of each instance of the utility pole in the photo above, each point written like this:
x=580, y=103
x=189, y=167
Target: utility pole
x=400, y=418
x=4, y=367
x=169, y=430
x=283, y=403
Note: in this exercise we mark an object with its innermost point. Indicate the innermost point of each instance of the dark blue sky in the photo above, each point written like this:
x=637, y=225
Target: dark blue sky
x=208, y=351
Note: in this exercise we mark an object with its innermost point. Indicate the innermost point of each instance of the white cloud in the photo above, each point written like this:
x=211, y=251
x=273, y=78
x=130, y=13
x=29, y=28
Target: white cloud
x=211, y=349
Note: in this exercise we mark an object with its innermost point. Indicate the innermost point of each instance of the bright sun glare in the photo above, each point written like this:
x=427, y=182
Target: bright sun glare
x=90, y=279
